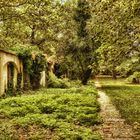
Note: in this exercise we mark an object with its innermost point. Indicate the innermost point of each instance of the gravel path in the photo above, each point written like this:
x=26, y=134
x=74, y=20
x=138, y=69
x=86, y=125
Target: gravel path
x=113, y=127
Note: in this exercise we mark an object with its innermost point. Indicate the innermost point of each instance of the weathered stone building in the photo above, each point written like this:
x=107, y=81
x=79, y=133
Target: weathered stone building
x=10, y=67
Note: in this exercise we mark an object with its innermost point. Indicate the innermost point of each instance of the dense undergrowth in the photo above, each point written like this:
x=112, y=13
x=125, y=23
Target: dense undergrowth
x=55, y=114
x=126, y=97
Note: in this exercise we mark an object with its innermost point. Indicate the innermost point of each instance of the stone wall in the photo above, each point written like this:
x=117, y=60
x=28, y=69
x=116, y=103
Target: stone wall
x=6, y=58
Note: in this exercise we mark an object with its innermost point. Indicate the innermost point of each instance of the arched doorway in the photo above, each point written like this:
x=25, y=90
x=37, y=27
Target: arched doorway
x=10, y=76
x=10, y=72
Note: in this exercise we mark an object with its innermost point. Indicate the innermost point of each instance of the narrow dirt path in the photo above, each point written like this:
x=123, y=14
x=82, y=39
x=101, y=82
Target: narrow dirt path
x=113, y=127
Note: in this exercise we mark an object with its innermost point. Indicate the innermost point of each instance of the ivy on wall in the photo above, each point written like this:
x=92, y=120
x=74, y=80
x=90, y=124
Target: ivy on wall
x=38, y=65
x=33, y=64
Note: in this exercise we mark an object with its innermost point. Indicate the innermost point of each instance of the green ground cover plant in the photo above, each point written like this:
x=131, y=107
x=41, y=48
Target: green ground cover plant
x=126, y=97
x=54, y=82
x=53, y=114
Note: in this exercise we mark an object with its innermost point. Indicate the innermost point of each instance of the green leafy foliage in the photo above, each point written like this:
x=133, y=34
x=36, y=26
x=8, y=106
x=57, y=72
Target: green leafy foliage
x=135, y=78
x=34, y=62
x=116, y=26
x=108, y=60
x=130, y=66
x=53, y=113
x=79, y=52
x=72, y=31
x=54, y=82
x=30, y=22
x=39, y=64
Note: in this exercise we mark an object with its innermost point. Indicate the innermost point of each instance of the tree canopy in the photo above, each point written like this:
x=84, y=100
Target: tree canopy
x=84, y=36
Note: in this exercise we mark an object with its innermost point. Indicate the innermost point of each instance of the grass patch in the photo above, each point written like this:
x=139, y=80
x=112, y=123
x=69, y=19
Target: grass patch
x=51, y=114
x=126, y=97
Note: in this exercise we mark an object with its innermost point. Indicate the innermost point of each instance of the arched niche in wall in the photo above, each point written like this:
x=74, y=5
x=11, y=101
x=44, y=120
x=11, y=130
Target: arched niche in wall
x=10, y=73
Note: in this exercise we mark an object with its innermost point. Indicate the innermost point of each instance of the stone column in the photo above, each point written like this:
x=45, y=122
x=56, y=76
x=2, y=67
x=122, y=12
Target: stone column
x=43, y=79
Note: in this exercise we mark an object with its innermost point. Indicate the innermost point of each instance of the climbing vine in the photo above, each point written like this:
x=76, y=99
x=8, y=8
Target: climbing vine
x=33, y=64
x=38, y=65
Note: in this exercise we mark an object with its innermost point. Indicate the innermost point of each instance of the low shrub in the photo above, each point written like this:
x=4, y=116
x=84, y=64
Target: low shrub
x=68, y=131
x=54, y=82
x=135, y=78
x=88, y=119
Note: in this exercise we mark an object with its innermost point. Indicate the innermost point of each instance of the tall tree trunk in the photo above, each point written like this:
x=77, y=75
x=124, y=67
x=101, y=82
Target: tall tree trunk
x=114, y=76
x=86, y=76
x=81, y=65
